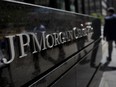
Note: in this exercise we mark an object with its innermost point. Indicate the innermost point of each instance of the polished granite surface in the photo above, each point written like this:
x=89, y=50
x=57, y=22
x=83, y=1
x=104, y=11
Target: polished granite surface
x=41, y=65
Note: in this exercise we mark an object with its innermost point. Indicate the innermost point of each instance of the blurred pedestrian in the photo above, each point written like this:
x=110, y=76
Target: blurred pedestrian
x=110, y=30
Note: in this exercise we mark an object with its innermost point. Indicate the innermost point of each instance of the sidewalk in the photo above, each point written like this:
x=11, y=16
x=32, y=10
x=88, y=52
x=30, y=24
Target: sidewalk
x=109, y=73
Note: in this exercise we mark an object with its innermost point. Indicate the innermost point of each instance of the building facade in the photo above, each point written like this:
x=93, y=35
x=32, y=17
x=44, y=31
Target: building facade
x=80, y=6
x=44, y=47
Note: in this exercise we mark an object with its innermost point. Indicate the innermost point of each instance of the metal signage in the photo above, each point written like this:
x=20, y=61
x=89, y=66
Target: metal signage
x=45, y=42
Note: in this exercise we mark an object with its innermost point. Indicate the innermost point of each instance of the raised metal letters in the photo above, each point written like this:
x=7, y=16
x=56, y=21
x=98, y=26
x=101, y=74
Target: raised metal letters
x=10, y=38
x=42, y=42
x=22, y=44
x=49, y=40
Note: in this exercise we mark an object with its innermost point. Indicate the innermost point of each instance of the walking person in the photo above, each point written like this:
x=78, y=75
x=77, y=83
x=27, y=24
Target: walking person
x=110, y=31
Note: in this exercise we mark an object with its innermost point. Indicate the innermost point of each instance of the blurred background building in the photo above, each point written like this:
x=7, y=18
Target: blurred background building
x=80, y=6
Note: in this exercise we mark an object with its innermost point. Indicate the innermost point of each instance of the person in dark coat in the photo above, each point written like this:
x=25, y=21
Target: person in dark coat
x=110, y=30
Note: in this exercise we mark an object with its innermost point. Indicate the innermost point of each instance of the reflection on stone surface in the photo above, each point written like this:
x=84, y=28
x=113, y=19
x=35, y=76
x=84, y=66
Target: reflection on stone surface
x=66, y=36
x=96, y=35
x=6, y=77
x=81, y=73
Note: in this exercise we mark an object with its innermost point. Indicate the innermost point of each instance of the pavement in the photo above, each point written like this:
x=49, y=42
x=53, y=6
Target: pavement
x=109, y=70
